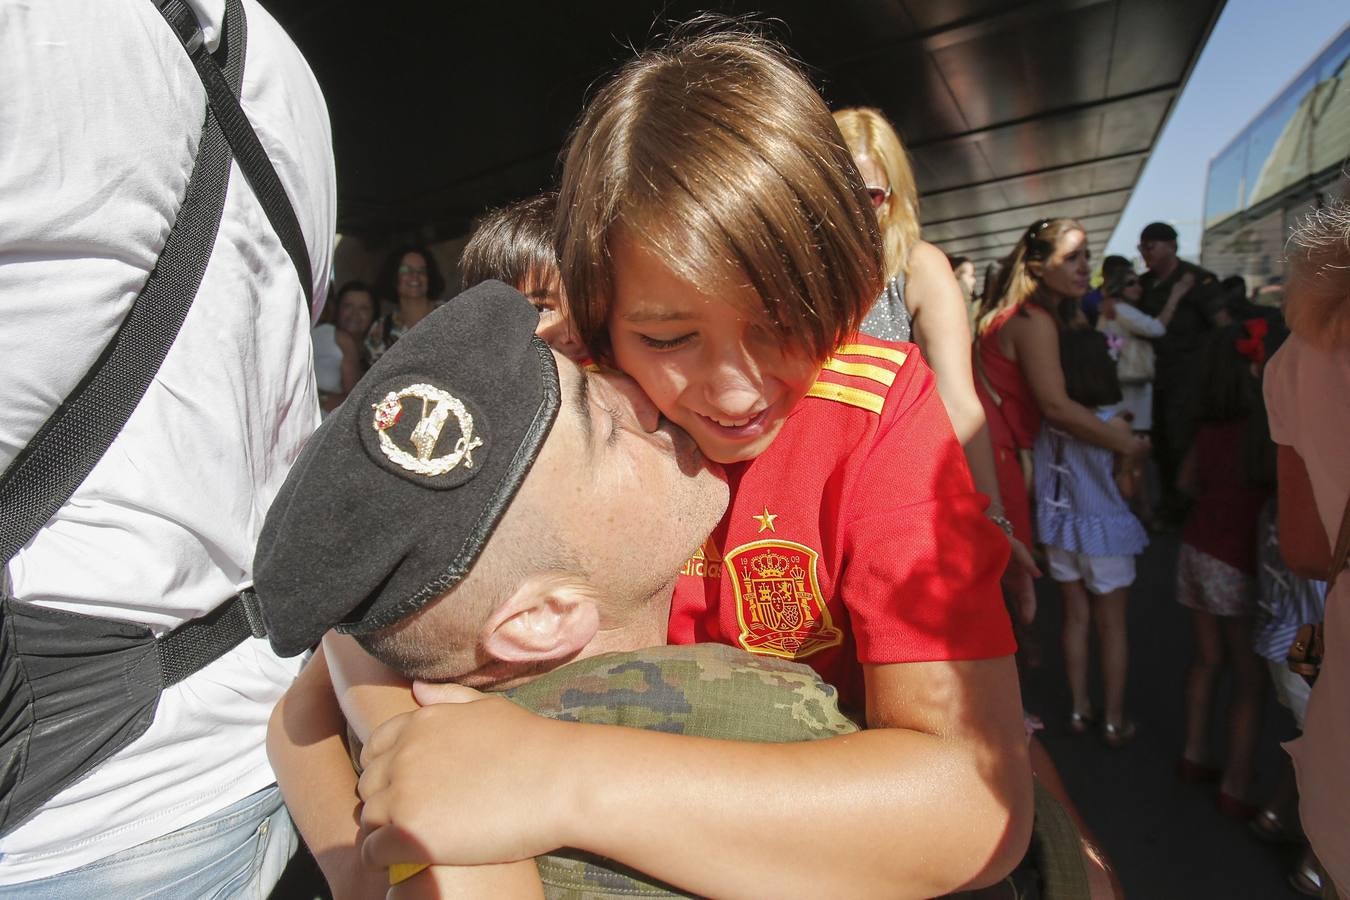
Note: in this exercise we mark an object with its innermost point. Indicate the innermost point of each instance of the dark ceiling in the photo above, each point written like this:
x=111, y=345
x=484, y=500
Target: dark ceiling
x=1011, y=110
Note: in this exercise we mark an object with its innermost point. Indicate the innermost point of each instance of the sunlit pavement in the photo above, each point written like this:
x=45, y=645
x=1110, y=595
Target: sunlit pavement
x=1166, y=838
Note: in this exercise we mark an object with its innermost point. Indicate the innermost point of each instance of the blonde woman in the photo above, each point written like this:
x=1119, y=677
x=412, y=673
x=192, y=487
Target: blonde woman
x=923, y=303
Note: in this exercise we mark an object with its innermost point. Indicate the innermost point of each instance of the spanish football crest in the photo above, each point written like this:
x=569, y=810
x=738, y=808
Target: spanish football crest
x=778, y=600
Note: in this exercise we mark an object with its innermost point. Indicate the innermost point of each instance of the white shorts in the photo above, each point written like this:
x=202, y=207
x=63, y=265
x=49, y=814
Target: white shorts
x=1290, y=689
x=1101, y=574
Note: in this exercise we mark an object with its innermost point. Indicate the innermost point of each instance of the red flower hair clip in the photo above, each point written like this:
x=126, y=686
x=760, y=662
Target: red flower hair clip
x=1253, y=346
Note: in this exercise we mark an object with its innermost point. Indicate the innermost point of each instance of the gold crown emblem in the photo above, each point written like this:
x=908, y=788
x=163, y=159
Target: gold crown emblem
x=770, y=565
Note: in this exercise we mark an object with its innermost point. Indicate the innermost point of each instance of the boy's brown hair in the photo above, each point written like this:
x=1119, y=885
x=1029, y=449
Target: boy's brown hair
x=512, y=244
x=717, y=154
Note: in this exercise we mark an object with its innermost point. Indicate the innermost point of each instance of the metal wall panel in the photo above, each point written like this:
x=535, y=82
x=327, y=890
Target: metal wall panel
x=1011, y=108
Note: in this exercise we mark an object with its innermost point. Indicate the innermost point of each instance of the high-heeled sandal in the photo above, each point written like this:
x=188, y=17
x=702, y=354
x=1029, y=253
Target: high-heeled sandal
x=1270, y=827
x=1118, y=735
x=1308, y=876
x=1081, y=723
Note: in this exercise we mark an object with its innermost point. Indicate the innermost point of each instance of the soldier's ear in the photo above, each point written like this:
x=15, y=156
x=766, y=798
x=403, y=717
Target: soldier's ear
x=547, y=618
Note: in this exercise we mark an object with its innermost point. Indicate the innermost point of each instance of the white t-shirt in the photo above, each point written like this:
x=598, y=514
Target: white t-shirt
x=327, y=358
x=1308, y=397
x=99, y=125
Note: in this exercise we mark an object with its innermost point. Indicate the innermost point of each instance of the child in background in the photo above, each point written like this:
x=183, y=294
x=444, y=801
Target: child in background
x=1216, y=569
x=1090, y=535
x=1284, y=603
x=514, y=245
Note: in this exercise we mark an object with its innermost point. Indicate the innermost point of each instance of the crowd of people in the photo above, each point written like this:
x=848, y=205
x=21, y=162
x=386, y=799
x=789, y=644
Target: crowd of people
x=713, y=490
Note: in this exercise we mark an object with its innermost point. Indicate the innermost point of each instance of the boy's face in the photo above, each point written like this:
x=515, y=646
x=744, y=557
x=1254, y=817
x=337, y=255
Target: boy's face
x=545, y=293
x=711, y=362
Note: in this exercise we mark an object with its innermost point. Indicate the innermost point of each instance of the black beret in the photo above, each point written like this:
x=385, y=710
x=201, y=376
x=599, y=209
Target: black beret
x=396, y=494
x=1158, y=231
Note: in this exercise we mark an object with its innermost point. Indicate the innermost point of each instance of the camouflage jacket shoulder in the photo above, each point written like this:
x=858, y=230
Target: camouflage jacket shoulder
x=707, y=690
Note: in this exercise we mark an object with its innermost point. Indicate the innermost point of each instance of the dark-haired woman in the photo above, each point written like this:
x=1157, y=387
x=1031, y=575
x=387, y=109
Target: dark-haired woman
x=339, y=350
x=412, y=282
x=1017, y=360
x=1216, y=568
x=1130, y=331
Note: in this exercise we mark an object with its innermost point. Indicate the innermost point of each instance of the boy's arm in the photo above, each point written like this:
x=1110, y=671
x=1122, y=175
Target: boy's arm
x=517, y=881
x=940, y=801
x=370, y=694
x=309, y=755
x=368, y=691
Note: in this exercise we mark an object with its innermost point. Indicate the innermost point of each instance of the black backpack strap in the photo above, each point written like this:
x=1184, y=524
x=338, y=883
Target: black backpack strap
x=44, y=475
x=196, y=644
x=222, y=89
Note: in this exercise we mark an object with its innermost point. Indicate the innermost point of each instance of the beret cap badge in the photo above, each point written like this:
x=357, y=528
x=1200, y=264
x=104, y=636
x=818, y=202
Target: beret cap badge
x=434, y=407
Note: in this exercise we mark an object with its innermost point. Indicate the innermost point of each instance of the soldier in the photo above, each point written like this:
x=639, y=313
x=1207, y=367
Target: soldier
x=1174, y=351
x=473, y=446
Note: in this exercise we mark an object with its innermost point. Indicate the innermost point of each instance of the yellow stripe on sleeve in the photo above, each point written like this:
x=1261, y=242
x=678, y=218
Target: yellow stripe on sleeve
x=847, y=395
x=861, y=370
x=888, y=353
x=401, y=872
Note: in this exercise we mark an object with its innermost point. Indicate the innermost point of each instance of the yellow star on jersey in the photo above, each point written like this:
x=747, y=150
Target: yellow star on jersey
x=765, y=521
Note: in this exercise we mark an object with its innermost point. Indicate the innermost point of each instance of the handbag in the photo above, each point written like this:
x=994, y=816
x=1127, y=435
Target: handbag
x=1136, y=362
x=1305, y=654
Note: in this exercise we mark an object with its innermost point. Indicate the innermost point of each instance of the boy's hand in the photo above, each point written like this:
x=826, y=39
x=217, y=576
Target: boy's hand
x=471, y=781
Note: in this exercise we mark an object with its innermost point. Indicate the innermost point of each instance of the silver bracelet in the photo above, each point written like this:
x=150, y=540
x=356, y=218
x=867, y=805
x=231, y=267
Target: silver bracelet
x=1002, y=522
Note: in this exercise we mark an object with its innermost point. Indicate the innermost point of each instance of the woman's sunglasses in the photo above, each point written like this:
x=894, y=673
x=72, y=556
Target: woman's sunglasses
x=878, y=195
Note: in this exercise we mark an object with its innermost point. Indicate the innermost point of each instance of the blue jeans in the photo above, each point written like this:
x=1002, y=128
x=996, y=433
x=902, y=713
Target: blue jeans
x=239, y=852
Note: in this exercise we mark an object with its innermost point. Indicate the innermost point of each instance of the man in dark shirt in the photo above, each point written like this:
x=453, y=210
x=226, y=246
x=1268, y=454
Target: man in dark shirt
x=1176, y=352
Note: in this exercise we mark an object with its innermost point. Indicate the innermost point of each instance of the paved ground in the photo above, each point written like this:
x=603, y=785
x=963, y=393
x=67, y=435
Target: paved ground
x=1166, y=838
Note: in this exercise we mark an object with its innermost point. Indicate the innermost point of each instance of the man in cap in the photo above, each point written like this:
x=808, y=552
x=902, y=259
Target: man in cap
x=513, y=513
x=1174, y=351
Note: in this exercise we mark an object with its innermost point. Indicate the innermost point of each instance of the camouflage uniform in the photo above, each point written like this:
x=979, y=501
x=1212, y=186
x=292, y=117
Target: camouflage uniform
x=708, y=690
x=712, y=690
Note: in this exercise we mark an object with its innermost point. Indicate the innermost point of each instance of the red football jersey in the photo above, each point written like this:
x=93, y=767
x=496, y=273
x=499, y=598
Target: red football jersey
x=857, y=537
